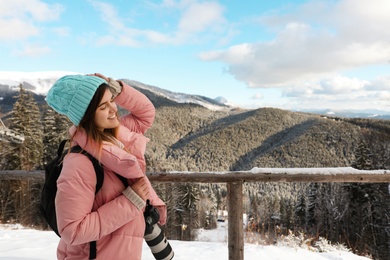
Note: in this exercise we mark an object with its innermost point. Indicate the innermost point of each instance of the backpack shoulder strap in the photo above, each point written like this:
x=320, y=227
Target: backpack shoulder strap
x=96, y=165
x=61, y=147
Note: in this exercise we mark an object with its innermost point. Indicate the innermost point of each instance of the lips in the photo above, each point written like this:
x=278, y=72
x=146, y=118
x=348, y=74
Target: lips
x=112, y=117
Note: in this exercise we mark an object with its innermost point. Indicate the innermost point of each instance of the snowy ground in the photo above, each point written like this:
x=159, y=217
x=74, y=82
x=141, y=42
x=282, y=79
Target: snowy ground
x=18, y=243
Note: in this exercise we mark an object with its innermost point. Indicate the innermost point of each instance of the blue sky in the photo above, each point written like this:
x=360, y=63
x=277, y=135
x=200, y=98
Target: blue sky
x=292, y=55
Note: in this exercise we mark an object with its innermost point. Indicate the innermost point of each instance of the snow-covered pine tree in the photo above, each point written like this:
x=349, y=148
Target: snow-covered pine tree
x=55, y=130
x=300, y=210
x=379, y=195
x=312, y=195
x=26, y=120
x=367, y=222
x=363, y=157
x=186, y=198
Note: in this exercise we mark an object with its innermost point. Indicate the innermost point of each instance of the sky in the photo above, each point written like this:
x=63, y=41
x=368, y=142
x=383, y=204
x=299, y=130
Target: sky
x=293, y=55
x=19, y=243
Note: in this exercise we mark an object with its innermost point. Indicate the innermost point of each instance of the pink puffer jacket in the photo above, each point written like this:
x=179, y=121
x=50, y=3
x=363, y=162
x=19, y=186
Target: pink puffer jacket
x=109, y=217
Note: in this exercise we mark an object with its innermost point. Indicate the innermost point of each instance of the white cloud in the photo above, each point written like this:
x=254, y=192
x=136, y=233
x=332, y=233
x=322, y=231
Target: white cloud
x=199, y=17
x=313, y=45
x=258, y=96
x=16, y=29
x=339, y=85
x=19, y=18
x=313, y=42
x=62, y=31
x=380, y=83
x=195, y=21
x=32, y=50
x=337, y=92
x=109, y=15
x=330, y=87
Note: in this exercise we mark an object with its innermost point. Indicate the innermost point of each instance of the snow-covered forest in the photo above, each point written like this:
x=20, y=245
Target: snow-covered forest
x=188, y=137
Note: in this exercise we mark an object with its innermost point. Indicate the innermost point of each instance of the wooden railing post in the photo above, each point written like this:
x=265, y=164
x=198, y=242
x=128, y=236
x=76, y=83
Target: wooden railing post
x=235, y=221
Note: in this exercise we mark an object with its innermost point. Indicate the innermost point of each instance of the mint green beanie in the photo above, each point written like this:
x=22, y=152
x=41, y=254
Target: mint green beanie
x=71, y=95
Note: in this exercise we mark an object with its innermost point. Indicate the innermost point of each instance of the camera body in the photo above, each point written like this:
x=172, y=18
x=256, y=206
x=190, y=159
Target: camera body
x=154, y=236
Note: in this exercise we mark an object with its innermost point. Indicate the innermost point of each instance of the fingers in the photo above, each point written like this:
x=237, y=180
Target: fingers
x=141, y=188
x=99, y=75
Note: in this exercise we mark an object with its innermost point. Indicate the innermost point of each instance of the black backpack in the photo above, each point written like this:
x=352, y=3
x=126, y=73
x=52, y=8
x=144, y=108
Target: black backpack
x=52, y=172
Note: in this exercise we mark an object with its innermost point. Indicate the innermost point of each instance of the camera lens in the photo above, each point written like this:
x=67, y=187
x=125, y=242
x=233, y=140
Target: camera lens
x=158, y=244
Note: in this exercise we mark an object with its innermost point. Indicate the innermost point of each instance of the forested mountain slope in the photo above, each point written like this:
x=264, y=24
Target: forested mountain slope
x=194, y=138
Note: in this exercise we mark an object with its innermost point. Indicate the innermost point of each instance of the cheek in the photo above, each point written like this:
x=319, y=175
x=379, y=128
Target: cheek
x=98, y=119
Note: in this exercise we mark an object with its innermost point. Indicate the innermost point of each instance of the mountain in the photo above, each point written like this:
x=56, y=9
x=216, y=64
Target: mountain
x=371, y=113
x=206, y=102
x=40, y=83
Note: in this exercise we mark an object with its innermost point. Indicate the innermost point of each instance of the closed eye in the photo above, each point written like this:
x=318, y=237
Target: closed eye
x=103, y=106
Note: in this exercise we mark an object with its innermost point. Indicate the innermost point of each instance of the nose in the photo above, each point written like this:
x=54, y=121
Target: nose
x=113, y=107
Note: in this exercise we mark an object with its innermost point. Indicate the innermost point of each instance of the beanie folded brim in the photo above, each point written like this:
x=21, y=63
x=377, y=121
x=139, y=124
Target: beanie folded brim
x=72, y=94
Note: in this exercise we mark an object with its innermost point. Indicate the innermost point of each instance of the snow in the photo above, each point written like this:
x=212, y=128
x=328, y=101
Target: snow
x=315, y=171
x=178, y=97
x=19, y=243
x=41, y=80
x=292, y=171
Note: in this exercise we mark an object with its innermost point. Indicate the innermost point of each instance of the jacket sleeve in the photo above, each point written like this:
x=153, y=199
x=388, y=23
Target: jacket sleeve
x=158, y=203
x=140, y=118
x=77, y=223
x=141, y=109
x=110, y=155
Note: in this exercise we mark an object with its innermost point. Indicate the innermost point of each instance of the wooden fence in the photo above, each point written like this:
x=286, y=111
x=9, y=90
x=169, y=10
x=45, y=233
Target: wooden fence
x=235, y=182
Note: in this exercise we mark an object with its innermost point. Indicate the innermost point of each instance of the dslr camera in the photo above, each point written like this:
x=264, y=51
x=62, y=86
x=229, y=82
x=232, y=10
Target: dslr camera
x=154, y=236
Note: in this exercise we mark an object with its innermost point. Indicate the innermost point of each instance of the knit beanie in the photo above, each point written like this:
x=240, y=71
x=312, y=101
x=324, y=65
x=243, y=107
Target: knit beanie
x=71, y=95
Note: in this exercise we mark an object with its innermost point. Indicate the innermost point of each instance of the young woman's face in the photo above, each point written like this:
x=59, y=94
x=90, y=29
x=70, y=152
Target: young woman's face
x=106, y=113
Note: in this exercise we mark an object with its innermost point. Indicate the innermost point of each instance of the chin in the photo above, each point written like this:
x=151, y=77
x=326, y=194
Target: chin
x=116, y=124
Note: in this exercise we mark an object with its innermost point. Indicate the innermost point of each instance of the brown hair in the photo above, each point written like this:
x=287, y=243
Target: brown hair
x=88, y=123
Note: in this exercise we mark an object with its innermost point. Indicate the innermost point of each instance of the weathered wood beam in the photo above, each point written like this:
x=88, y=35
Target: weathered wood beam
x=342, y=174
x=235, y=221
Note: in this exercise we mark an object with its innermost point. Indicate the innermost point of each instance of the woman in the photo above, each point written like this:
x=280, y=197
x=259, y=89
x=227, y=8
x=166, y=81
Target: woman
x=114, y=216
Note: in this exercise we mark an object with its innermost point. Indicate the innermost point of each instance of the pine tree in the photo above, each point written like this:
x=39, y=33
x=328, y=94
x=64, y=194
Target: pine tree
x=55, y=130
x=186, y=198
x=312, y=195
x=26, y=120
x=368, y=218
x=363, y=157
x=286, y=213
x=300, y=210
x=5, y=155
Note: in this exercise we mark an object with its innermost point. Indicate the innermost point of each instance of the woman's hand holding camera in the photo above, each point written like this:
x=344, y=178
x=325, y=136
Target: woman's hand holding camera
x=141, y=188
x=138, y=193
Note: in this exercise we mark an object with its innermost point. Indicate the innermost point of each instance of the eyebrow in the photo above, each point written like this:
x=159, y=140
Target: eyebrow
x=106, y=101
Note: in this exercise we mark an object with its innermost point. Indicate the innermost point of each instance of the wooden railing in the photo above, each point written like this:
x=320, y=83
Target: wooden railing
x=235, y=180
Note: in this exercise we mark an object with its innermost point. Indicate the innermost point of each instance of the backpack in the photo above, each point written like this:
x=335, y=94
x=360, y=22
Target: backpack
x=48, y=194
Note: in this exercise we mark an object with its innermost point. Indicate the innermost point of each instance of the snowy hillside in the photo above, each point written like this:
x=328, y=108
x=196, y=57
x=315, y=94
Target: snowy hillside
x=209, y=103
x=18, y=243
x=40, y=82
